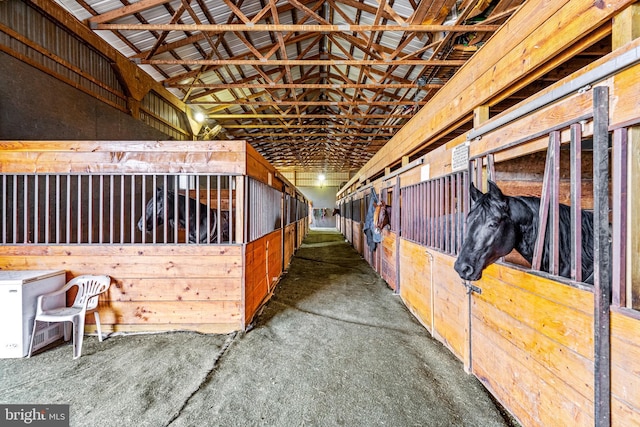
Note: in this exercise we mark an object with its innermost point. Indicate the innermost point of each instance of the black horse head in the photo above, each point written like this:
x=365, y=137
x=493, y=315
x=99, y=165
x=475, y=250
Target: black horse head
x=156, y=216
x=490, y=235
x=496, y=224
x=202, y=221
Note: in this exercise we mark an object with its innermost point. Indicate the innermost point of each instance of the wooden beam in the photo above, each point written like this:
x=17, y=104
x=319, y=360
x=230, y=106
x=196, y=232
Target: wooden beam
x=372, y=86
x=131, y=9
x=293, y=28
x=487, y=76
x=304, y=62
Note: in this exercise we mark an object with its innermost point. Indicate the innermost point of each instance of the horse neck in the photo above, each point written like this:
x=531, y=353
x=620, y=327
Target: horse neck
x=524, y=214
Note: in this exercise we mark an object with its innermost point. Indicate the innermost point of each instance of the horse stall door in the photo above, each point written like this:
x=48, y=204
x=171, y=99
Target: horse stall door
x=387, y=258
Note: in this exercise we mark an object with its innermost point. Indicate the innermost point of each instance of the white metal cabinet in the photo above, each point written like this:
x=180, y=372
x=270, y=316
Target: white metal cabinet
x=19, y=291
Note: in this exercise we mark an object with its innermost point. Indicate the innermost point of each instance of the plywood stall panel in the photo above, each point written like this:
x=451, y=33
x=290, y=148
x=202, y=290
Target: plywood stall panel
x=387, y=262
x=530, y=333
x=359, y=242
x=263, y=269
x=348, y=230
x=416, y=278
x=625, y=368
x=290, y=243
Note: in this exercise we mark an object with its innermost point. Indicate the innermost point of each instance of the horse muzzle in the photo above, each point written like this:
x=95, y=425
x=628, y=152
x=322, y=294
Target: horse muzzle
x=466, y=271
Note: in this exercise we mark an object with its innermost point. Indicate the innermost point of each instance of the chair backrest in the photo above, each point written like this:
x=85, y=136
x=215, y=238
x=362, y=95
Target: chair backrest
x=89, y=287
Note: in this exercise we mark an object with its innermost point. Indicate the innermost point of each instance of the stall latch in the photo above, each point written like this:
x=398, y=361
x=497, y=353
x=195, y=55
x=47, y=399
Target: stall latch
x=471, y=287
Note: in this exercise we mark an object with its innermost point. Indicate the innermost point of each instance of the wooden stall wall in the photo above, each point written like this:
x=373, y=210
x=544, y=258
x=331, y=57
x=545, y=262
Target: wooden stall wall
x=387, y=258
x=625, y=367
x=358, y=241
x=263, y=269
x=529, y=339
x=530, y=333
x=290, y=243
x=156, y=287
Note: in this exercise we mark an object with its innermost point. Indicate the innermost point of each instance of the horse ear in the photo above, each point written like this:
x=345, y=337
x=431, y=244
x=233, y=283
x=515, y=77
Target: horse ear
x=495, y=191
x=475, y=193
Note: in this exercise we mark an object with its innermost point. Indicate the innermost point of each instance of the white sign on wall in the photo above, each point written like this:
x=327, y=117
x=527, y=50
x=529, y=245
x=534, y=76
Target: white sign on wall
x=460, y=157
x=425, y=172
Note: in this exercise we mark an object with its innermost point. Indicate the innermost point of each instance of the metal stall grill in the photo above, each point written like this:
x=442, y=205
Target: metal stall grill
x=116, y=209
x=433, y=212
x=264, y=210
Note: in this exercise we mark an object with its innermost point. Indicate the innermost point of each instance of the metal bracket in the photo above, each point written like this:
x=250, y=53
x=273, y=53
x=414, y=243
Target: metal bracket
x=471, y=287
x=584, y=89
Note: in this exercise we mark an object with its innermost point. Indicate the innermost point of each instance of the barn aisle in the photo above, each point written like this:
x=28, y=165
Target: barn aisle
x=333, y=347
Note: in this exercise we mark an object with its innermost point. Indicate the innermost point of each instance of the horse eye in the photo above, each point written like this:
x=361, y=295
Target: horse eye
x=493, y=225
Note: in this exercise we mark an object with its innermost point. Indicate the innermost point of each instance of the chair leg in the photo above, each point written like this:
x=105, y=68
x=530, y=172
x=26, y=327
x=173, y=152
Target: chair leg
x=97, y=316
x=33, y=334
x=67, y=330
x=78, y=335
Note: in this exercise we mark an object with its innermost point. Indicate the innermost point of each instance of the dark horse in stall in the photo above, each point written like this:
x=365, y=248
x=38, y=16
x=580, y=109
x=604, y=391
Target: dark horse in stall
x=496, y=224
x=201, y=233
x=382, y=217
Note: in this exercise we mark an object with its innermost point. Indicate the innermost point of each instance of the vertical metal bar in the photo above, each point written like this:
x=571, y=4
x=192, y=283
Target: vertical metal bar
x=36, y=213
x=554, y=229
x=25, y=207
x=68, y=227
x=143, y=195
x=441, y=223
x=133, y=209
x=5, y=193
x=458, y=213
x=122, y=186
x=111, y=203
x=165, y=209
x=575, y=149
x=154, y=194
x=58, y=207
x=15, y=209
x=196, y=193
x=491, y=170
x=543, y=213
x=431, y=208
x=479, y=174
x=232, y=182
x=101, y=208
x=245, y=221
x=602, y=275
x=451, y=192
x=47, y=207
x=619, y=244
x=208, y=180
x=90, y=209
x=176, y=218
x=79, y=211
x=186, y=209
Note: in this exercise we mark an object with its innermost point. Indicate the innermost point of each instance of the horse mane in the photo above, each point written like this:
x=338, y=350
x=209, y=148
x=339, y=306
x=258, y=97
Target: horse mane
x=529, y=230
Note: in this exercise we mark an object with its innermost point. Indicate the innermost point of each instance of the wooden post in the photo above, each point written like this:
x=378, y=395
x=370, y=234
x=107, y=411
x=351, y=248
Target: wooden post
x=480, y=115
x=602, y=274
x=626, y=27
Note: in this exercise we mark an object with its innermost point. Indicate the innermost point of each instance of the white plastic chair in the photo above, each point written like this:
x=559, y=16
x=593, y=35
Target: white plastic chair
x=89, y=287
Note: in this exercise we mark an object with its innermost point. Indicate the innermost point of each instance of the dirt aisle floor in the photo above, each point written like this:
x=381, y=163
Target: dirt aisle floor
x=333, y=347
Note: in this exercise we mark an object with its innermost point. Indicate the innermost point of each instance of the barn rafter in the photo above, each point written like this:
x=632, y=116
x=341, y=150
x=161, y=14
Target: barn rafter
x=304, y=81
